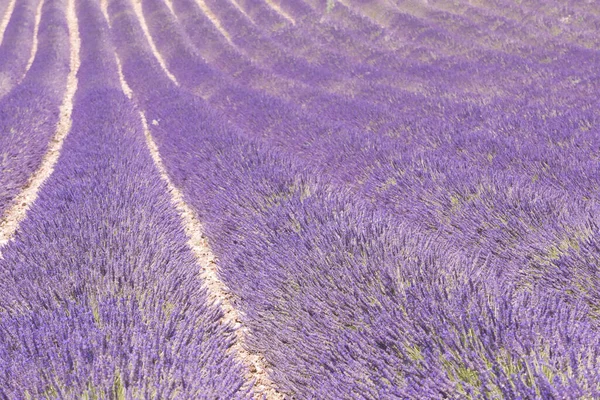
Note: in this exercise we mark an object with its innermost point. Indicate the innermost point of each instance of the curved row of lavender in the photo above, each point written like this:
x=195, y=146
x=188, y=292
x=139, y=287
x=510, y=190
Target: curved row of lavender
x=449, y=251
x=30, y=111
x=100, y=295
x=402, y=196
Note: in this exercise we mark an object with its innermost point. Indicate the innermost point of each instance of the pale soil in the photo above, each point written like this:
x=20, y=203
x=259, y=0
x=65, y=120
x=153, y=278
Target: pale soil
x=274, y=4
x=36, y=28
x=137, y=8
x=213, y=18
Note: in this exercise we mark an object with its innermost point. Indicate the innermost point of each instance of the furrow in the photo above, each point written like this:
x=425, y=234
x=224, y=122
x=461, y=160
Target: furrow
x=169, y=4
x=34, y=47
x=240, y=8
x=277, y=8
x=213, y=18
x=137, y=8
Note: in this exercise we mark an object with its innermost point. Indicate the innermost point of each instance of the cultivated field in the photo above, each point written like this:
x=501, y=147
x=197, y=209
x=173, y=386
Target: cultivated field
x=299, y=199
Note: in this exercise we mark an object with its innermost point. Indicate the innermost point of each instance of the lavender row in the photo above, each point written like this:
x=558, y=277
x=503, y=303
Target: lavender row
x=258, y=46
x=16, y=44
x=101, y=296
x=491, y=29
x=362, y=39
x=30, y=112
x=217, y=51
x=340, y=299
x=259, y=40
x=474, y=63
x=310, y=35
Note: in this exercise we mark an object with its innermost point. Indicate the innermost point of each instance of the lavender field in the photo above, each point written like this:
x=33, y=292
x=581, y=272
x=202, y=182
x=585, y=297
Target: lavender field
x=299, y=199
